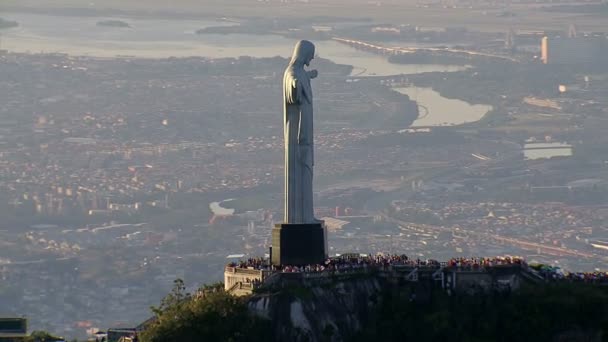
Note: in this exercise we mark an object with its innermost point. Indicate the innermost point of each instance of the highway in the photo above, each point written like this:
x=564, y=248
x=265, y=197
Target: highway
x=520, y=243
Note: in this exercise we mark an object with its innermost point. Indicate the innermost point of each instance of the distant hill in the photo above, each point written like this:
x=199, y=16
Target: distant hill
x=7, y=23
x=579, y=8
x=113, y=23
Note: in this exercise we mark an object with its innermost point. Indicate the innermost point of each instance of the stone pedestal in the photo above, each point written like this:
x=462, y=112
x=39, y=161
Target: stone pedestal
x=298, y=244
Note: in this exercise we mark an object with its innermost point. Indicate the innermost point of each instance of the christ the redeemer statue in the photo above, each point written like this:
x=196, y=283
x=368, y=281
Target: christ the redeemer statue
x=300, y=239
x=298, y=129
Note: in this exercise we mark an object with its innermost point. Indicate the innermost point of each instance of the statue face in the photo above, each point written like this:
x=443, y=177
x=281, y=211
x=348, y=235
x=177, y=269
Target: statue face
x=312, y=55
x=303, y=53
x=310, y=59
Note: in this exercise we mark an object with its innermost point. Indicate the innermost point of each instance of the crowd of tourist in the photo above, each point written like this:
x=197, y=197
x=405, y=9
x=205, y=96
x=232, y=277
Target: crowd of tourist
x=378, y=261
x=340, y=263
x=588, y=277
x=479, y=263
x=362, y=262
x=556, y=274
x=348, y=263
x=252, y=264
x=354, y=262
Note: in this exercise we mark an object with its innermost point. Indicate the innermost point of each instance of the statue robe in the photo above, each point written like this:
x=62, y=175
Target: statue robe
x=298, y=131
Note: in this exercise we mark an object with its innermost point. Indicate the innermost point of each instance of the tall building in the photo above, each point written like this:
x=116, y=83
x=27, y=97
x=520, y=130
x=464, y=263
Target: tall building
x=573, y=51
x=13, y=329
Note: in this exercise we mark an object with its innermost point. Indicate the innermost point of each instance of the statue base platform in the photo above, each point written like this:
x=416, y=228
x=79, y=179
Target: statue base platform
x=298, y=244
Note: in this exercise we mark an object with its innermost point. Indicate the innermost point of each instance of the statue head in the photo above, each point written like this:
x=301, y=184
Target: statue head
x=303, y=53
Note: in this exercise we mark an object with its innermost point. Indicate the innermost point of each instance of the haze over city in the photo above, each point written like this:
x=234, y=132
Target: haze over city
x=142, y=141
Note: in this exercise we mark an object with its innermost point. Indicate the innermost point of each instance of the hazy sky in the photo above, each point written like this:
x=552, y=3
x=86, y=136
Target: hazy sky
x=395, y=11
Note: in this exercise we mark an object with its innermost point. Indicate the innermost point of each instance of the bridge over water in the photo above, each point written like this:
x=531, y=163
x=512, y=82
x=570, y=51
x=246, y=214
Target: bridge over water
x=383, y=50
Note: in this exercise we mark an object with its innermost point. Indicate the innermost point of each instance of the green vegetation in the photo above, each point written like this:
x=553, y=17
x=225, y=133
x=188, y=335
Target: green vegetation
x=539, y=313
x=562, y=311
x=42, y=336
x=214, y=315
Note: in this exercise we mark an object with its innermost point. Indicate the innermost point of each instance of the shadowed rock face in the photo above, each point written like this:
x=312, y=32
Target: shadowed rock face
x=329, y=310
x=338, y=307
x=578, y=335
x=358, y=307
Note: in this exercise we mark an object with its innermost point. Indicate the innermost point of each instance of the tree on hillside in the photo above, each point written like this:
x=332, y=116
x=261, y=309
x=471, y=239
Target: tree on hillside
x=537, y=313
x=42, y=336
x=212, y=315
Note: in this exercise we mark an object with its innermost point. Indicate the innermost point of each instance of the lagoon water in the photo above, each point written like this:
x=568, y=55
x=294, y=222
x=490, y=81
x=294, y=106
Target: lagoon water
x=217, y=209
x=162, y=38
x=436, y=110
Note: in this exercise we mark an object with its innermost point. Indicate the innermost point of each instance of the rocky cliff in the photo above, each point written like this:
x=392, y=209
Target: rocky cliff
x=321, y=309
x=366, y=307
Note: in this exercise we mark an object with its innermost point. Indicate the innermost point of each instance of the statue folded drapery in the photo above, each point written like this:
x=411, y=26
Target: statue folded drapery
x=298, y=130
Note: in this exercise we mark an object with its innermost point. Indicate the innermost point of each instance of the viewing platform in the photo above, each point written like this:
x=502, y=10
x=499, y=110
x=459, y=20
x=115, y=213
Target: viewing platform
x=241, y=281
x=453, y=276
